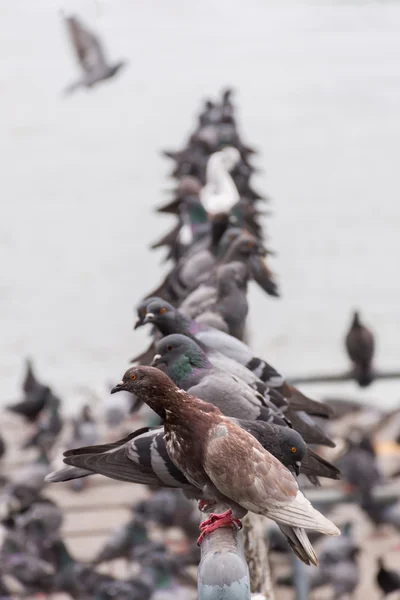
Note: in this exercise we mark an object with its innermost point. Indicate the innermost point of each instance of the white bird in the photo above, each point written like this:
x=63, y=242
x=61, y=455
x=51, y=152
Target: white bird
x=220, y=194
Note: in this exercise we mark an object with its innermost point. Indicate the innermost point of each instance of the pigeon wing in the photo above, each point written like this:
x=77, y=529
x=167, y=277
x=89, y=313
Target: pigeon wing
x=257, y=481
x=87, y=46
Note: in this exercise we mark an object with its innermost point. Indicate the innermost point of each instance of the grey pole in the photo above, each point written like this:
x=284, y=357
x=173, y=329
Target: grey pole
x=223, y=573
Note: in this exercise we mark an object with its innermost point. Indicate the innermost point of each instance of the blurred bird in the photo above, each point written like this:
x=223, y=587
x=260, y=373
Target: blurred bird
x=360, y=346
x=90, y=55
x=123, y=542
x=387, y=580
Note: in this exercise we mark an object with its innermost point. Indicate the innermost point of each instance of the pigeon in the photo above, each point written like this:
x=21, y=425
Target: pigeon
x=360, y=347
x=49, y=428
x=169, y=320
x=32, y=405
x=387, y=580
x=3, y=447
x=382, y=512
x=142, y=457
x=188, y=366
x=231, y=467
x=190, y=369
x=227, y=299
x=90, y=55
x=169, y=508
x=71, y=577
x=123, y=542
x=359, y=468
x=84, y=429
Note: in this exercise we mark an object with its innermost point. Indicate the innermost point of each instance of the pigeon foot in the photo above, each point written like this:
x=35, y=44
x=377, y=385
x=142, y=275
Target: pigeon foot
x=225, y=519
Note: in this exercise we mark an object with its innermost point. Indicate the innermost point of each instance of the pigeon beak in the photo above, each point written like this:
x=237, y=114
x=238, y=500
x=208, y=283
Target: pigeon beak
x=138, y=323
x=261, y=251
x=297, y=466
x=118, y=388
x=149, y=318
x=156, y=359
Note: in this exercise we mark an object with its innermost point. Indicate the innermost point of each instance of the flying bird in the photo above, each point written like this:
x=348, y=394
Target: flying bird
x=90, y=54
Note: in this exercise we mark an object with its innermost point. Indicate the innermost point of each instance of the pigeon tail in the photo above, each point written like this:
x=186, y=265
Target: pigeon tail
x=300, y=544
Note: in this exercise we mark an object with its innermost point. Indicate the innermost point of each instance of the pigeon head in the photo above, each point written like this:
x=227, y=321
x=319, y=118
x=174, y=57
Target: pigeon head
x=149, y=385
x=166, y=318
x=244, y=247
x=230, y=157
x=141, y=310
x=178, y=355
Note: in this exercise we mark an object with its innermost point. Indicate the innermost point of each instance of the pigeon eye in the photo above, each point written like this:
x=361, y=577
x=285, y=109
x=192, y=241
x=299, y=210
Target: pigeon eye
x=294, y=449
x=133, y=376
x=250, y=245
x=163, y=310
x=169, y=348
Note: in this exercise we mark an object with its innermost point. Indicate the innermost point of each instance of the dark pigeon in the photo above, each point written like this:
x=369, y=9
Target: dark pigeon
x=388, y=580
x=360, y=346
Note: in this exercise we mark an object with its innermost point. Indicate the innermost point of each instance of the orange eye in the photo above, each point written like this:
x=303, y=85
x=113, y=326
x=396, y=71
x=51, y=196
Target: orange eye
x=133, y=376
x=250, y=245
x=294, y=449
x=163, y=310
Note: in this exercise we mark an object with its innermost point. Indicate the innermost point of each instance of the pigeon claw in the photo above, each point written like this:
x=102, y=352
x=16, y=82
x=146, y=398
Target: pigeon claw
x=225, y=519
x=205, y=504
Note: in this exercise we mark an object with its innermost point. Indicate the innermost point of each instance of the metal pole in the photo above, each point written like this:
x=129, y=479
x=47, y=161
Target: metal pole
x=223, y=573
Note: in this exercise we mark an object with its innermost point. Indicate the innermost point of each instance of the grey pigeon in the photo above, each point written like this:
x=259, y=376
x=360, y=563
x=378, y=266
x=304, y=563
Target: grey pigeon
x=227, y=299
x=169, y=320
x=122, y=542
x=359, y=468
x=188, y=367
x=90, y=55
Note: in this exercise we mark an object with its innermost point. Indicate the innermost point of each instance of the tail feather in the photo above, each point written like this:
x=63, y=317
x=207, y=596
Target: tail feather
x=67, y=474
x=300, y=544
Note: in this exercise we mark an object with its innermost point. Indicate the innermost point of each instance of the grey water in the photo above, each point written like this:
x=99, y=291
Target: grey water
x=318, y=94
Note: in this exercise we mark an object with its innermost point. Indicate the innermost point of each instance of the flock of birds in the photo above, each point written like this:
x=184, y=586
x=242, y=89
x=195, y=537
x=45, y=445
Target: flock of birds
x=228, y=427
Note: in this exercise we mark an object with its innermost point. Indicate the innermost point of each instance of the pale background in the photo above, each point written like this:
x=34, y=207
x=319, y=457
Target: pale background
x=318, y=93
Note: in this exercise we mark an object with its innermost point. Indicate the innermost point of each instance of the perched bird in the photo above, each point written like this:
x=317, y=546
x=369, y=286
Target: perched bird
x=189, y=368
x=32, y=405
x=49, y=427
x=84, y=429
x=220, y=194
x=360, y=346
x=123, y=542
x=232, y=466
x=387, y=580
x=3, y=447
x=359, y=468
x=90, y=55
x=170, y=320
x=169, y=508
x=225, y=302
x=142, y=457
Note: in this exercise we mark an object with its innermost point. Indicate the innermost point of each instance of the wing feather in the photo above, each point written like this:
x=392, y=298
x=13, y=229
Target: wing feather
x=257, y=481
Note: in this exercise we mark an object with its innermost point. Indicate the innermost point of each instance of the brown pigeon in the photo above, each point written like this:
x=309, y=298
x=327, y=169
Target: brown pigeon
x=226, y=463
